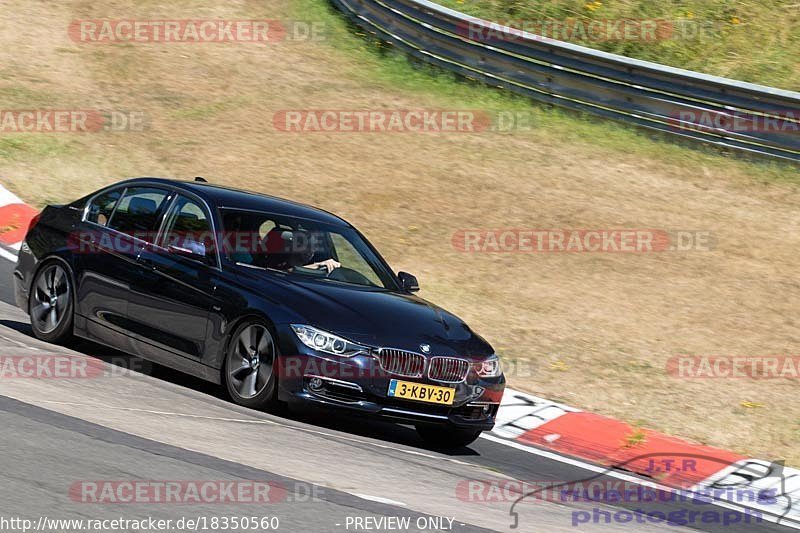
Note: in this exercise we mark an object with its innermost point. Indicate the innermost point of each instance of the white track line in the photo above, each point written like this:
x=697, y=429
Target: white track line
x=378, y=499
x=5, y=254
x=8, y=197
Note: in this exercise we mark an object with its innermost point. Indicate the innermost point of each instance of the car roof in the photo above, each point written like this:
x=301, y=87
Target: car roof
x=227, y=197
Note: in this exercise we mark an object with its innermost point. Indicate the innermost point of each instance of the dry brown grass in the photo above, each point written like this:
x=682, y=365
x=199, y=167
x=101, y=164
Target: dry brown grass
x=598, y=328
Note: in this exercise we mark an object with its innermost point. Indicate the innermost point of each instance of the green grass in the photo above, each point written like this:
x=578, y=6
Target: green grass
x=747, y=40
x=32, y=145
x=17, y=97
x=381, y=66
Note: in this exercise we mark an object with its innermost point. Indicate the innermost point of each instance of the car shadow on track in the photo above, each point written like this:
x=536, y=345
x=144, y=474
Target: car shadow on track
x=324, y=418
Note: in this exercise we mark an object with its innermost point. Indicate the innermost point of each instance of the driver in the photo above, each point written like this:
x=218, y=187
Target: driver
x=298, y=249
x=306, y=253
x=329, y=264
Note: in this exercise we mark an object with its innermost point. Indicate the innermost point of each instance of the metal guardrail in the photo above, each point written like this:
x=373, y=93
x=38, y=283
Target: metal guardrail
x=727, y=113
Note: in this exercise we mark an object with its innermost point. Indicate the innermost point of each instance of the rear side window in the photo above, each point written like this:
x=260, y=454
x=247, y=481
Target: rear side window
x=138, y=212
x=102, y=206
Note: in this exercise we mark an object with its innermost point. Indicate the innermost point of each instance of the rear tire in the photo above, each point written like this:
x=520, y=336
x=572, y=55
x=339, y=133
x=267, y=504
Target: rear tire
x=250, y=369
x=50, y=303
x=447, y=437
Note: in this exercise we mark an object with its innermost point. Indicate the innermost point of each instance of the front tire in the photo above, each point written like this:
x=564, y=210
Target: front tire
x=250, y=370
x=50, y=304
x=447, y=437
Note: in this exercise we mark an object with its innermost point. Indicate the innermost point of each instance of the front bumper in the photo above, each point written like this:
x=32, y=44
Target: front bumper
x=359, y=385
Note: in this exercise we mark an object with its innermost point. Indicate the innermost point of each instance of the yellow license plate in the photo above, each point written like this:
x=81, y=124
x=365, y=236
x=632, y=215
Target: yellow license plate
x=421, y=393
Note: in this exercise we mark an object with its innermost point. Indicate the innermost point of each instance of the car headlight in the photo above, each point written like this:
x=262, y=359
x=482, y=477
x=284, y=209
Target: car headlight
x=489, y=368
x=327, y=342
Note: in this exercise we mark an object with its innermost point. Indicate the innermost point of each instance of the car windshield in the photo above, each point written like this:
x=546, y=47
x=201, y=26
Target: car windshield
x=302, y=247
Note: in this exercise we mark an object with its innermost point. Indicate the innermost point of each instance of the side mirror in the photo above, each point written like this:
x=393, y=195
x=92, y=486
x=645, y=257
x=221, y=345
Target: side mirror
x=408, y=281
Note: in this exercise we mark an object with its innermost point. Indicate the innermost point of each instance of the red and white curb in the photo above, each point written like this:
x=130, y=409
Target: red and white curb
x=617, y=449
x=15, y=216
x=595, y=443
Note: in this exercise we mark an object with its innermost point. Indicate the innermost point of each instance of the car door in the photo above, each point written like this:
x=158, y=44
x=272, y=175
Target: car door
x=173, y=292
x=106, y=250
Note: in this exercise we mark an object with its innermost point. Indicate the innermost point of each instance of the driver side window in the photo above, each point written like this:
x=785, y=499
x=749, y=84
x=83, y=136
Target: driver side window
x=188, y=232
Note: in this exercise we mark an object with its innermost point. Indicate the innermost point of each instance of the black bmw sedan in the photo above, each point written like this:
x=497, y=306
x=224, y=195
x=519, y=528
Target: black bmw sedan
x=277, y=301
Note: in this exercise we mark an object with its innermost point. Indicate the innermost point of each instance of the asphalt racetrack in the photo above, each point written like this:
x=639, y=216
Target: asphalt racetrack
x=70, y=446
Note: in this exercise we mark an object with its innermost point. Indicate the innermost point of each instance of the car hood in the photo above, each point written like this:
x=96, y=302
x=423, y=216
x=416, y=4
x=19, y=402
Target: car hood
x=380, y=318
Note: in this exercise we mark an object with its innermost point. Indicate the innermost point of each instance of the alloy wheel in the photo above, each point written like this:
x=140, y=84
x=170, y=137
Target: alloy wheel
x=251, y=361
x=51, y=295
